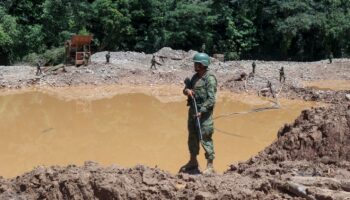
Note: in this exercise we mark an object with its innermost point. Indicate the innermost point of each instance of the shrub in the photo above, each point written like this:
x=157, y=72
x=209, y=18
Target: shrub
x=51, y=57
x=231, y=56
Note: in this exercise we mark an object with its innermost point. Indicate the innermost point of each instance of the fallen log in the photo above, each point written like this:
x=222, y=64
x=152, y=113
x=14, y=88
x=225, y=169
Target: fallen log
x=53, y=68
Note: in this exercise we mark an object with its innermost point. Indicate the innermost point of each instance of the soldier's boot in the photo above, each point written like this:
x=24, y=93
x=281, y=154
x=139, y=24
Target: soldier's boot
x=210, y=168
x=191, y=165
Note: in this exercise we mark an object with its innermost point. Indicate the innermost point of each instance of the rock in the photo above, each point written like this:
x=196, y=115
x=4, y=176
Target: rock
x=200, y=195
x=233, y=167
x=345, y=186
x=347, y=96
x=149, y=178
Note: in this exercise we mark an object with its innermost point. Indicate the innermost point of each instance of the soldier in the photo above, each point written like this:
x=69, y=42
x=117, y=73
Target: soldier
x=154, y=62
x=282, y=75
x=108, y=56
x=330, y=57
x=64, y=69
x=86, y=58
x=38, y=67
x=253, y=66
x=242, y=77
x=67, y=45
x=203, y=48
x=267, y=89
x=202, y=87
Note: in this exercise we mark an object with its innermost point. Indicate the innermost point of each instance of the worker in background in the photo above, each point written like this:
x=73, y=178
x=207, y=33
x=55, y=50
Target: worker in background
x=38, y=67
x=330, y=57
x=282, y=75
x=267, y=89
x=108, y=56
x=203, y=48
x=154, y=62
x=253, y=66
x=86, y=58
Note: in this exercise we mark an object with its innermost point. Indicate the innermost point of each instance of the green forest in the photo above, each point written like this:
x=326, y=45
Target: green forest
x=301, y=30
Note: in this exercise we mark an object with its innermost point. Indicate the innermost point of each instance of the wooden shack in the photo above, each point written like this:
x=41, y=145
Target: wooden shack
x=78, y=48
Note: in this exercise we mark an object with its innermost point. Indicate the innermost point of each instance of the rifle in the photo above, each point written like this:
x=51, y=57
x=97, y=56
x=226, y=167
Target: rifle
x=187, y=86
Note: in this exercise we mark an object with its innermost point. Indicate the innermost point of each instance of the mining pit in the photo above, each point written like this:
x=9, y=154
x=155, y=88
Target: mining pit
x=131, y=126
x=118, y=130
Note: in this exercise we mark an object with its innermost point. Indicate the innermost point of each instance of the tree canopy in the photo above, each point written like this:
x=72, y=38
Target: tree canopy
x=300, y=30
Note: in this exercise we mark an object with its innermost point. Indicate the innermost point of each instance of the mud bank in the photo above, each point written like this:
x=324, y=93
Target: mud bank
x=309, y=160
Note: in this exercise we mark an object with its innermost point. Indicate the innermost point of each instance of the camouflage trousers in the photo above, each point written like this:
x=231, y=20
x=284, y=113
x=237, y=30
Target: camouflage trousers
x=207, y=128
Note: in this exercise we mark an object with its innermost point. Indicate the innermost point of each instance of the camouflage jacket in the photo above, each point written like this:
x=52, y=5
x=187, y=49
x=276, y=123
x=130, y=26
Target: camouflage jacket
x=205, y=91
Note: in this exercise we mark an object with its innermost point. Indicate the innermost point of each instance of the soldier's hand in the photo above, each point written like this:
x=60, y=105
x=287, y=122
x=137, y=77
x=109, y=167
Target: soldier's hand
x=199, y=115
x=189, y=92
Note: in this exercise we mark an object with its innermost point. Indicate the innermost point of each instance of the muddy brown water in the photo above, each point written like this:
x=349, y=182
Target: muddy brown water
x=41, y=128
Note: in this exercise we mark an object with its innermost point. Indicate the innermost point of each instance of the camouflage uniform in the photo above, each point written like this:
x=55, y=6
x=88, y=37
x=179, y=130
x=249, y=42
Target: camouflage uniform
x=38, y=68
x=205, y=91
x=108, y=56
x=330, y=57
x=203, y=48
x=153, y=62
x=253, y=66
x=86, y=58
x=282, y=75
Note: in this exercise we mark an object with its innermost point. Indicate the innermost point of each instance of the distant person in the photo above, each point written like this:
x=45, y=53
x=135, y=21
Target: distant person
x=86, y=58
x=108, y=56
x=203, y=48
x=282, y=75
x=200, y=89
x=154, y=62
x=253, y=66
x=330, y=57
x=64, y=69
x=242, y=77
x=268, y=88
x=38, y=67
x=67, y=49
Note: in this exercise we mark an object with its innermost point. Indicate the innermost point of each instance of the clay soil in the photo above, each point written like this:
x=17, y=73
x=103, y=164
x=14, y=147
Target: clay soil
x=309, y=160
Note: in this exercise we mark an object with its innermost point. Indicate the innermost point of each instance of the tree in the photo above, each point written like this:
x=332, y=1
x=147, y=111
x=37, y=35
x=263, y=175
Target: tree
x=8, y=37
x=111, y=24
x=189, y=24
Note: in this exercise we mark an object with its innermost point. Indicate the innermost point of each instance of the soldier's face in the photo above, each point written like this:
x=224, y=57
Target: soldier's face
x=198, y=67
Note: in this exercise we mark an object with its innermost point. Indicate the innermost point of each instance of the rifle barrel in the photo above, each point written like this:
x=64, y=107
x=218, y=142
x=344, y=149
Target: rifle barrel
x=197, y=119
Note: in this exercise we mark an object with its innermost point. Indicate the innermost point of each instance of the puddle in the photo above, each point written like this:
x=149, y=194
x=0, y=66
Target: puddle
x=42, y=128
x=329, y=84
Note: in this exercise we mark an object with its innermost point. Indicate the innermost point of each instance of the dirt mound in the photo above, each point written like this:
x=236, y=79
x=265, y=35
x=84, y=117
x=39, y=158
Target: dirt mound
x=309, y=160
x=94, y=182
x=320, y=135
x=310, y=94
x=167, y=52
x=317, y=134
x=140, y=58
x=136, y=59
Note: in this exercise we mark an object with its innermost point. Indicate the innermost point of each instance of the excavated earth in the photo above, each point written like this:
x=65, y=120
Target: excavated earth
x=133, y=68
x=310, y=159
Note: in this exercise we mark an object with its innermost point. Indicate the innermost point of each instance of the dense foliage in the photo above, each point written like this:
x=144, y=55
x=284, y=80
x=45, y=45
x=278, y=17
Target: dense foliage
x=258, y=29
